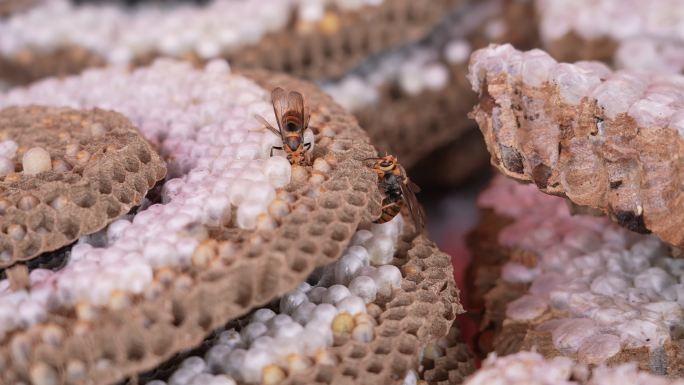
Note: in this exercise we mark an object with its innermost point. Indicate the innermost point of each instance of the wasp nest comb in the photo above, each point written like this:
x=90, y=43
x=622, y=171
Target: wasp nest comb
x=235, y=229
x=631, y=34
x=423, y=92
x=8, y=7
x=366, y=319
x=66, y=173
x=313, y=39
x=533, y=369
x=612, y=141
x=577, y=286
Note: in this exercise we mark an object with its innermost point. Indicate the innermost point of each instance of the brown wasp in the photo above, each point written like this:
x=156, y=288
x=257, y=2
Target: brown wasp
x=293, y=119
x=398, y=190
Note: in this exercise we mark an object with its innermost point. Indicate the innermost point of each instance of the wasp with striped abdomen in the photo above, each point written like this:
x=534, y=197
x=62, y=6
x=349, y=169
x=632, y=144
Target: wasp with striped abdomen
x=398, y=190
x=292, y=117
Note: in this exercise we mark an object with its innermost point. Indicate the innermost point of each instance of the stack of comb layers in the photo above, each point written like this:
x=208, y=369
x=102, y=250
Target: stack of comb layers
x=386, y=45
x=549, y=277
x=277, y=268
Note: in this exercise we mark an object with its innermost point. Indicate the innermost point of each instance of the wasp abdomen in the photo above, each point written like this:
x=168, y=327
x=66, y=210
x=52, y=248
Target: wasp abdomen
x=390, y=209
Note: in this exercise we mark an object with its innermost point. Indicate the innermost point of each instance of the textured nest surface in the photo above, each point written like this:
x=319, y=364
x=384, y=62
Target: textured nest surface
x=250, y=269
x=102, y=168
x=531, y=299
x=262, y=266
x=430, y=124
x=315, y=55
x=609, y=141
x=8, y=7
x=632, y=34
x=418, y=314
x=412, y=126
x=453, y=366
x=532, y=369
x=361, y=34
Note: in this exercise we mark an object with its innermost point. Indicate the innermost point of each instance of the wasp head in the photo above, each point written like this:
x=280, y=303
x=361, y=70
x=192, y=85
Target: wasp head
x=293, y=142
x=386, y=163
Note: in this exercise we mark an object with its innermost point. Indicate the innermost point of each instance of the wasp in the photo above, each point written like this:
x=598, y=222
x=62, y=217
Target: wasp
x=398, y=190
x=293, y=119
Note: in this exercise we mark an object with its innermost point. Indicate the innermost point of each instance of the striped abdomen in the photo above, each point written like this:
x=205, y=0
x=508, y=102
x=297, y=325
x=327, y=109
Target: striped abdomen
x=390, y=209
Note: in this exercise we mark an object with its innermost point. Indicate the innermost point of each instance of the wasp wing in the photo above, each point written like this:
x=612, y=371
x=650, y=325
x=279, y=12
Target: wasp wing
x=267, y=125
x=296, y=113
x=414, y=187
x=307, y=116
x=416, y=211
x=280, y=105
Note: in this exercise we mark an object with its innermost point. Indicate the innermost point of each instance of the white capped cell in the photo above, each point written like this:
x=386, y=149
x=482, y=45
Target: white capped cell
x=347, y=268
x=353, y=305
x=364, y=287
x=387, y=278
x=278, y=171
x=381, y=249
x=335, y=294
x=291, y=301
x=526, y=308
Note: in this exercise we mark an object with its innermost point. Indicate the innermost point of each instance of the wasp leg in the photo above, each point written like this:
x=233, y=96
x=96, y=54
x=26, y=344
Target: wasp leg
x=275, y=147
x=307, y=158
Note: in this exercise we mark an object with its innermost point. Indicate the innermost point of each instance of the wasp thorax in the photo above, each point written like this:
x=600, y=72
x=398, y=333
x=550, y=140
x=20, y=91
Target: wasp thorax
x=293, y=143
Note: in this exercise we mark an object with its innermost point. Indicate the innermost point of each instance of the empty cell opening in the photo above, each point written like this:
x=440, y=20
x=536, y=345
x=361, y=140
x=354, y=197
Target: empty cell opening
x=396, y=314
x=331, y=249
x=407, y=347
x=375, y=367
x=382, y=349
x=325, y=374
x=316, y=230
x=298, y=264
x=83, y=198
x=135, y=350
x=336, y=185
x=339, y=233
x=144, y=155
x=131, y=164
x=357, y=352
x=161, y=343
x=118, y=174
x=105, y=186
x=308, y=247
x=350, y=372
x=347, y=215
x=113, y=209
x=205, y=318
x=330, y=202
x=355, y=199
x=178, y=312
